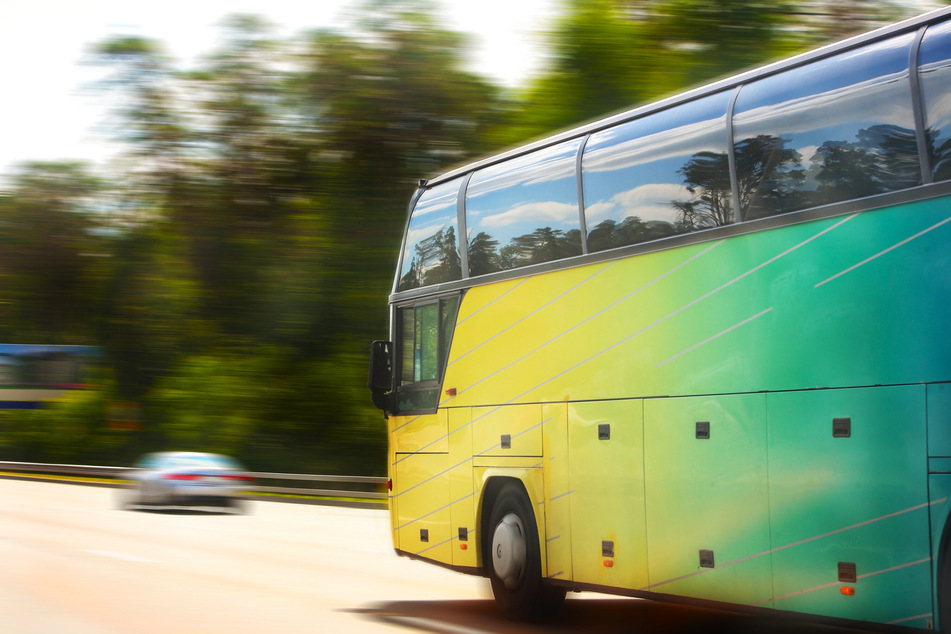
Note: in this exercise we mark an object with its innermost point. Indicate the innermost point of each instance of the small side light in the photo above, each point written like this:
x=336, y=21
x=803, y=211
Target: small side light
x=848, y=591
x=451, y=391
x=463, y=546
x=389, y=484
x=608, y=563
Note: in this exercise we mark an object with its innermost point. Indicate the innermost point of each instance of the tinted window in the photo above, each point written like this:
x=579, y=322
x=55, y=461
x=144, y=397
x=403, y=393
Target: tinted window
x=524, y=211
x=836, y=129
x=934, y=63
x=431, y=248
x=661, y=175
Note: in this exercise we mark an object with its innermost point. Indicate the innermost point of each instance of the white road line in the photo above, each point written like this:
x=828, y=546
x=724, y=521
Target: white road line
x=112, y=554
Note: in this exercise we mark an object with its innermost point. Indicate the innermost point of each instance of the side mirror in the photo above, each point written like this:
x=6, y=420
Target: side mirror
x=380, y=379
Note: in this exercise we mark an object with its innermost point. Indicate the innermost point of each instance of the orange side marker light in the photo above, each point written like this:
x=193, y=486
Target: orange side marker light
x=608, y=563
x=848, y=591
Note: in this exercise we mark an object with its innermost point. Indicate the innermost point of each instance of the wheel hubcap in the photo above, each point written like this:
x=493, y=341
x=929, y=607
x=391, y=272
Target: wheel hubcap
x=508, y=550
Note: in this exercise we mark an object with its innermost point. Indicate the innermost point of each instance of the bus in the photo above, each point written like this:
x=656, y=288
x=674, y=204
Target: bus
x=699, y=351
x=31, y=375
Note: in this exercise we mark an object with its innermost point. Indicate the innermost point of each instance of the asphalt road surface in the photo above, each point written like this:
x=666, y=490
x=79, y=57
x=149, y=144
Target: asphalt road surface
x=71, y=562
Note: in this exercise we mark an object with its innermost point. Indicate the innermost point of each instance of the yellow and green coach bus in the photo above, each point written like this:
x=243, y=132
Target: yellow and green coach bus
x=700, y=350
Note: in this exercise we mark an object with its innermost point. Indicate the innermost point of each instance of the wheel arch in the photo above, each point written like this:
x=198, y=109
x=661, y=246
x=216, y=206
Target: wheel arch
x=941, y=527
x=492, y=481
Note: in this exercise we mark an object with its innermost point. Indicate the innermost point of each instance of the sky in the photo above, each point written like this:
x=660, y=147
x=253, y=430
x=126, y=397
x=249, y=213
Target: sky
x=47, y=114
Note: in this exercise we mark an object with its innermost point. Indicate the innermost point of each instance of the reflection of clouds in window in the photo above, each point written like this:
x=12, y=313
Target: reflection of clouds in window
x=636, y=176
x=836, y=111
x=938, y=110
x=416, y=234
x=445, y=203
x=538, y=168
x=536, y=214
x=677, y=144
x=647, y=201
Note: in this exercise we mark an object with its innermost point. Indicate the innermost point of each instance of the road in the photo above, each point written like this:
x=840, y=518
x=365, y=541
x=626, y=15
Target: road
x=73, y=563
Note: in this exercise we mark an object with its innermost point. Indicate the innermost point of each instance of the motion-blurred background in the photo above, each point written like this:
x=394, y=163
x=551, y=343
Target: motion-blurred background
x=229, y=258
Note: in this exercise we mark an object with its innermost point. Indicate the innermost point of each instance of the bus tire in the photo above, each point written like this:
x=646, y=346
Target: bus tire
x=514, y=564
x=944, y=586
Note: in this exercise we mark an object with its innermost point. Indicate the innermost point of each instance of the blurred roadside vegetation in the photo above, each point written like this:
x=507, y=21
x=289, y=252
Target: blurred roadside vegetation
x=234, y=264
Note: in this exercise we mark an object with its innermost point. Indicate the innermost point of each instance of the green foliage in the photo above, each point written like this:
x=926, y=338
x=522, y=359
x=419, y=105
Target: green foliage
x=72, y=429
x=237, y=267
x=53, y=263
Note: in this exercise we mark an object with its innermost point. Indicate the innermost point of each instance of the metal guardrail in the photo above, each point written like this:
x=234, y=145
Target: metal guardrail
x=365, y=489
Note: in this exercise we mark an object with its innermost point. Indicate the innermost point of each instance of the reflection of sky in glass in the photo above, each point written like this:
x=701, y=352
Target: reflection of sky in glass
x=829, y=100
x=934, y=61
x=517, y=197
x=434, y=211
x=632, y=169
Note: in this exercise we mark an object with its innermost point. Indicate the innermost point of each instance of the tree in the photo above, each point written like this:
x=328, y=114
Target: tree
x=707, y=178
x=54, y=255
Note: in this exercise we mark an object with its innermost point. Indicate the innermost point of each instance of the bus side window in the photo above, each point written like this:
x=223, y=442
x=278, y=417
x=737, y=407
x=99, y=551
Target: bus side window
x=837, y=129
x=431, y=245
x=524, y=211
x=934, y=70
x=661, y=175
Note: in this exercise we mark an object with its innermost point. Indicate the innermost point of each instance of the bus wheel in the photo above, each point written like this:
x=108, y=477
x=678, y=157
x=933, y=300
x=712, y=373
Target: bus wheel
x=944, y=588
x=515, y=569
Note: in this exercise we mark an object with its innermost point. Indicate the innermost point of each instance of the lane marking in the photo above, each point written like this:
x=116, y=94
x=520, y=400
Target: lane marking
x=112, y=554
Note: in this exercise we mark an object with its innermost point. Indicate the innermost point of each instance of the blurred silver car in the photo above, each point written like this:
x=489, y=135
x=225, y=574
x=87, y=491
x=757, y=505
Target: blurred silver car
x=186, y=478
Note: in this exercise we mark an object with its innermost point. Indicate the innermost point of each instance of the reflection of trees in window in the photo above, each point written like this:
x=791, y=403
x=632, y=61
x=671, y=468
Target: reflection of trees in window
x=939, y=155
x=885, y=158
x=769, y=175
x=542, y=245
x=483, y=257
x=435, y=260
x=609, y=234
x=707, y=178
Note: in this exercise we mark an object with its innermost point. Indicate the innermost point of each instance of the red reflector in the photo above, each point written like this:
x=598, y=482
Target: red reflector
x=239, y=478
x=180, y=476
x=389, y=484
x=608, y=563
x=451, y=391
x=848, y=591
x=463, y=546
